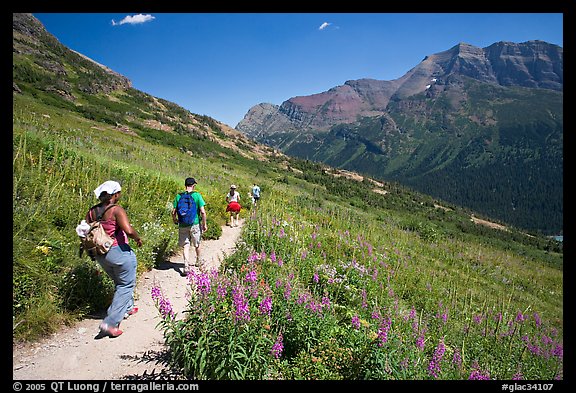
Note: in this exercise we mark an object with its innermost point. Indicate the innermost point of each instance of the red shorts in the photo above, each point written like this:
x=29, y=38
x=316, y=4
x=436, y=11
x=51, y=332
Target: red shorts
x=233, y=207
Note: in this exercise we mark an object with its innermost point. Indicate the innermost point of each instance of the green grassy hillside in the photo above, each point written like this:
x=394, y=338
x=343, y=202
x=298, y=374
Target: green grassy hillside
x=332, y=279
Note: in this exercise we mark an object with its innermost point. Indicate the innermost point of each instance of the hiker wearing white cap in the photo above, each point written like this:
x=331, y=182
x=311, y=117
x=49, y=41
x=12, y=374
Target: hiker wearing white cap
x=233, y=200
x=120, y=261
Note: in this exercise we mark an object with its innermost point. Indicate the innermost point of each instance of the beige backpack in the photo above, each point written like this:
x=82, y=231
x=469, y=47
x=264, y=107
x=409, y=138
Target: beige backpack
x=96, y=241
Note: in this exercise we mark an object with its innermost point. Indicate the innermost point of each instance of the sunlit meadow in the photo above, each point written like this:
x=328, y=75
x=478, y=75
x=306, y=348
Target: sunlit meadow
x=323, y=293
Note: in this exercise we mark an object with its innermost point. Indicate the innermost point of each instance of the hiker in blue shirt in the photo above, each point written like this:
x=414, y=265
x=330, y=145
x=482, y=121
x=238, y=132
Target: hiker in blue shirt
x=190, y=232
x=255, y=193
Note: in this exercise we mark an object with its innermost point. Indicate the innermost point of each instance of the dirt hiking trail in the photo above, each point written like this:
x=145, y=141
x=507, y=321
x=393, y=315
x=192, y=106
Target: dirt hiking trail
x=139, y=353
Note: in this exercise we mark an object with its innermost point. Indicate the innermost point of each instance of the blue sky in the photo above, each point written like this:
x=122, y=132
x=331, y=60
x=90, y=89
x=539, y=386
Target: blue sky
x=222, y=64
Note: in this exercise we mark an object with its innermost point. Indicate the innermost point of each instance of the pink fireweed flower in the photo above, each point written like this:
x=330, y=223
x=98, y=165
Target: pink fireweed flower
x=558, y=351
x=287, y=290
x=273, y=256
x=434, y=365
x=537, y=319
x=326, y=301
x=477, y=374
x=222, y=290
x=253, y=257
x=420, y=342
x=266, y=306
x=519, y=317
x=162, y=304
x=251, y=276
x=356, y=322
x=316, y=278
x=364, y=298
x=156, y=293
x=202, y=281
x=412, y=314
x=383, y=330
x=241, y=304
x=302, y=298
x=457, y=358
x=278, y=347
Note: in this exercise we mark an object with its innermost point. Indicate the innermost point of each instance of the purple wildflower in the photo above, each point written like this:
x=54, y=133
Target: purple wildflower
x=251, y=276
x=326, y=301
x=278, y=347
x=420, y=342
x=222, y=290
x=316, y=278
x=434, y=365
x=383, y=331
x=287, y=290
x=356, y=322
x=266, y=305
x=162, y=304
x=241, y=304
x=364, y=299
x=477, y=374
x=202, y=282
x=457, y=358
x=537, y=319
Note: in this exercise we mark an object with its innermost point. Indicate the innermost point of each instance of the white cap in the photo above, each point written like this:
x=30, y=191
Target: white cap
x=233, y=186
x=110, y=186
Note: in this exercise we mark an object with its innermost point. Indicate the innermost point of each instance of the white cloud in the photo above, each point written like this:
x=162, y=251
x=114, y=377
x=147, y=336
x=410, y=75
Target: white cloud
x=134, y=19
x=324, y=25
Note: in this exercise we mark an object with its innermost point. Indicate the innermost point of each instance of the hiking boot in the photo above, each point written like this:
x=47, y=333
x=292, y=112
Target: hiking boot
x=110, y=331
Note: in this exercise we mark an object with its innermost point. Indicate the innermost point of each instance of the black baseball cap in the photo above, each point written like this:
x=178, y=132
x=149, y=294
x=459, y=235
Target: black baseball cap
x=190, y=181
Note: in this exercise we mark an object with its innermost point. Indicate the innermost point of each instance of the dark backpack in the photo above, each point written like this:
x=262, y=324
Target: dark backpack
x=186, y=209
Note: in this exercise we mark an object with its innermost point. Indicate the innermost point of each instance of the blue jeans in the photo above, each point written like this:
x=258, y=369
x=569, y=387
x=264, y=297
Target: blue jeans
x=120, y=264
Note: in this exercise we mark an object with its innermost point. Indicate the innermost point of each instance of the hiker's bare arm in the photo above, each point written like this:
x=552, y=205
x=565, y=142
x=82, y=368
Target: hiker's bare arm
x=124, y=224
x=203, y=214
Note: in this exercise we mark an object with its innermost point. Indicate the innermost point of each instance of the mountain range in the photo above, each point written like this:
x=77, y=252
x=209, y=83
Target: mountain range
x=478, y=127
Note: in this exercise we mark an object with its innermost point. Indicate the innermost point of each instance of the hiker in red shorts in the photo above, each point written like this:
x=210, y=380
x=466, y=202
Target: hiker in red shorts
x=233, y=199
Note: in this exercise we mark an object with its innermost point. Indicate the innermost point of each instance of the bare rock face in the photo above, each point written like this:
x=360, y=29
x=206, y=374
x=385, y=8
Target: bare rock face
x=534, y=64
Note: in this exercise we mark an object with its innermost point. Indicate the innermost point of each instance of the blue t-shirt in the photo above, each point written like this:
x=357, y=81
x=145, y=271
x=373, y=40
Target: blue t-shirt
x=256, y=191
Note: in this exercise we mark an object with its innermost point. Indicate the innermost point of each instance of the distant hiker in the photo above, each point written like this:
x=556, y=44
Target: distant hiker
x=233, y=200
x=120, y=261
x=255, y=193
x=190, y=215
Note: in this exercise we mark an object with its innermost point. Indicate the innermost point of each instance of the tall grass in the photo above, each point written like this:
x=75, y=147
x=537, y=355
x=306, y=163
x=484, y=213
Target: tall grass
x=319, y=291
x=321, y=286
x=58, y=160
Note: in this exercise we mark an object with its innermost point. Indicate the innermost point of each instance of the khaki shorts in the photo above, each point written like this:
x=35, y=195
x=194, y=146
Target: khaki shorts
x=189, y=235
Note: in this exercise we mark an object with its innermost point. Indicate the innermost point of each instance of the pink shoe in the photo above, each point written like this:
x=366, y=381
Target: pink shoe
x=107, y=330
x=133, y=311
